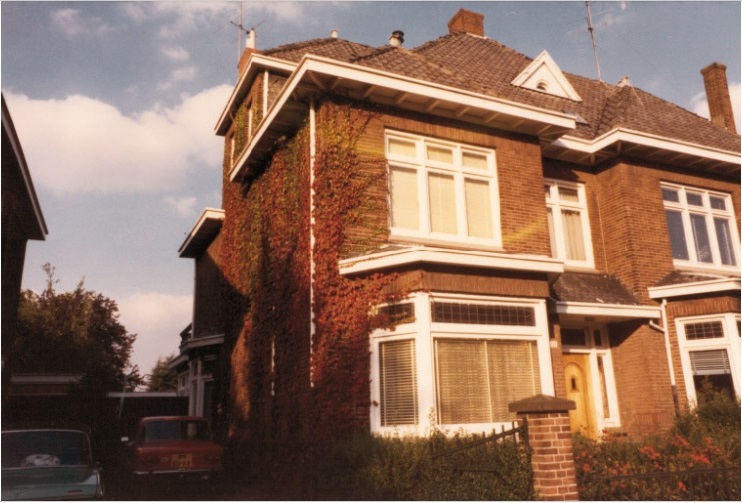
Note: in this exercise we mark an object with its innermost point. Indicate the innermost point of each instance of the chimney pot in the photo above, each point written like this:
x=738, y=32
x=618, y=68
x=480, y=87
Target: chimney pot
x=466, y=21
x=334, y=34
x=397, y=38
x=625, y=81
x=249, y=49
x=717, y=94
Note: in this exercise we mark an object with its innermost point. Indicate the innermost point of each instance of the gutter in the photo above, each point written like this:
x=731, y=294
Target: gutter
x=668, y=353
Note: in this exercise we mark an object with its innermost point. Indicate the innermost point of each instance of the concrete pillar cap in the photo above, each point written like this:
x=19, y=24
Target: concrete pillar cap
x=541, y=403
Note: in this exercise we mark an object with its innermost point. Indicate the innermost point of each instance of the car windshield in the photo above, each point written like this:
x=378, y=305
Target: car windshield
x=44, y=449
x=158, y=431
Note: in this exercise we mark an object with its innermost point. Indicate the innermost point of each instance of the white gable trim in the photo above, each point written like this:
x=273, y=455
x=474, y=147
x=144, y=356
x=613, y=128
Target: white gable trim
x=695, y=288
x=607, y=310
x=544, y=75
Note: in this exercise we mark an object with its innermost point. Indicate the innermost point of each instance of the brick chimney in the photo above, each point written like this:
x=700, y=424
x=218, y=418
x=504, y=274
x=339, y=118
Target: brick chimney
x=466, y=21
x=249, y=49
x=717, y=93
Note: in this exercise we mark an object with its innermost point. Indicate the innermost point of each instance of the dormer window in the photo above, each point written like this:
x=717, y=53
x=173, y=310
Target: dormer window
x=544, y=75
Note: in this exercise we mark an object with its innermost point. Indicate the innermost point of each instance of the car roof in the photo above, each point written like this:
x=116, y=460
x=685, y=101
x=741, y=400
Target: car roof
x=174, y=418
x=46, y=426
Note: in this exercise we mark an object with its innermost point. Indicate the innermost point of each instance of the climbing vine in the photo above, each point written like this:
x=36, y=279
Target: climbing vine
x=285, y=382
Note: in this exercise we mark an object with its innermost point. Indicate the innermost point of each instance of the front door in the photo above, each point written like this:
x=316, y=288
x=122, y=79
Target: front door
x=577, y=377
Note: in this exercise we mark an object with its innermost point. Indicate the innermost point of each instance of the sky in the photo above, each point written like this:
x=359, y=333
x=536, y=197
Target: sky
x=115, y=105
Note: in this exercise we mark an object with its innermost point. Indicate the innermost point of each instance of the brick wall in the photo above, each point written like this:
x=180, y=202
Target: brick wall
x=207, y=312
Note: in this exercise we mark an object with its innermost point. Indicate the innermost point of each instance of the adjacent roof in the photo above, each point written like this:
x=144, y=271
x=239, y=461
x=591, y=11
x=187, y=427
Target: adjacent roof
x=203, y=233
x=685, y=283
x=14, y=166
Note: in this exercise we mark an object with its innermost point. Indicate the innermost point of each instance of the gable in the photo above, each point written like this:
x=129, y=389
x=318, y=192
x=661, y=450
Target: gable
x=544, y=75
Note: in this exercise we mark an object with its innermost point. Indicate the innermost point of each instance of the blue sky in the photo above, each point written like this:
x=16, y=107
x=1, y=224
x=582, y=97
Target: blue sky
x=115, y=105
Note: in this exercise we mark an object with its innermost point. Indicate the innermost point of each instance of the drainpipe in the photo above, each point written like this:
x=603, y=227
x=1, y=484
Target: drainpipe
x=668, y=352
x=312, y=154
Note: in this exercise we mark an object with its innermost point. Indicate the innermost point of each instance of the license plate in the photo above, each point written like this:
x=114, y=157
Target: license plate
x=181, y=461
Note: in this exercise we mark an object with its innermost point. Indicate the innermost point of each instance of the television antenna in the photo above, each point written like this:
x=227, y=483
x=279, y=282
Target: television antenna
x=592, y=37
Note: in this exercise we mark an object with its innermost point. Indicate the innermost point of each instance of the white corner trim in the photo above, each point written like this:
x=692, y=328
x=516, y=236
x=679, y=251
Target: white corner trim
x=420, y=255
x=646, y=139
x=695, y=288
x=544, y=68
x=611, y=310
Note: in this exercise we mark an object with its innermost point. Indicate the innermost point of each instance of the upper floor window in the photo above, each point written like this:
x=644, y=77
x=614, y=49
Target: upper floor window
x=442, y=190
x=569, y=227
x=701, y=226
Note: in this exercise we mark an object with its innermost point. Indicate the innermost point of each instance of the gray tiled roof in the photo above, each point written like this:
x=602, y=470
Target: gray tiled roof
x=591, y=288
x=485, y=66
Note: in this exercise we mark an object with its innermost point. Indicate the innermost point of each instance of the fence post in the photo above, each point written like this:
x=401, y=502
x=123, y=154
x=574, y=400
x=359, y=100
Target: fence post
x=550, y=439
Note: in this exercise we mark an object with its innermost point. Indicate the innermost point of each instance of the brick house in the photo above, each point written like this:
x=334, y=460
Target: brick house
x=22, y=220
x=530, y=231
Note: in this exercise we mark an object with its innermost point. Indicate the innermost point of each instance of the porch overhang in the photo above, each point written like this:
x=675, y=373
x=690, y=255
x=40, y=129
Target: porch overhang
x=605, y=313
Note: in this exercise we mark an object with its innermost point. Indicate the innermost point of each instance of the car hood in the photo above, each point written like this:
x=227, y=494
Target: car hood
x=64, y=482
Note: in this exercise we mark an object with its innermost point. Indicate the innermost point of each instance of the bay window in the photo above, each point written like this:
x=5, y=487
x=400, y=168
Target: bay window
x=442, y=190
x=701, y=226
x=458, y=361
x=710, y=355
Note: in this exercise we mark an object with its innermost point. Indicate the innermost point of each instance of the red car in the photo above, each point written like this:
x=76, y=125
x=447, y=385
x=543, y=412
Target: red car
x=175, y=445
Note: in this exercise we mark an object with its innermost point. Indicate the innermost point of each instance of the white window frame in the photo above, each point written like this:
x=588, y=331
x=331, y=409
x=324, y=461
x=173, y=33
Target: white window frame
x=686, y=210
x=556, y=205
x=424, y=331
x=730, y=343
x=594, y=350
x=460, y=174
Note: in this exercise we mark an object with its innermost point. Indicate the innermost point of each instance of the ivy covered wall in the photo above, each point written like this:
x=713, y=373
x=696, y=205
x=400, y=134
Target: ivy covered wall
x=286, y=382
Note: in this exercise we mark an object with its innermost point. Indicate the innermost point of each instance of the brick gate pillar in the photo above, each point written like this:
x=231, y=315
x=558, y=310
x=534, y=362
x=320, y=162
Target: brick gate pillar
x=550, y=439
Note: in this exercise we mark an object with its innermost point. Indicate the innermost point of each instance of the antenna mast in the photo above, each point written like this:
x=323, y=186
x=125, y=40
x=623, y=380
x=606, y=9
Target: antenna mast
x=592, y=37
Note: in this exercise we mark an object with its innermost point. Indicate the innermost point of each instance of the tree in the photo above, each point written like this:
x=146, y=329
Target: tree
x=75, y=332
x=163, y=378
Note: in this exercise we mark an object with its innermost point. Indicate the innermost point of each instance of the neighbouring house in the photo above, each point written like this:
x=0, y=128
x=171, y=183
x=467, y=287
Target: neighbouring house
x=202, y=339
x=22, y=220
x=417, y=237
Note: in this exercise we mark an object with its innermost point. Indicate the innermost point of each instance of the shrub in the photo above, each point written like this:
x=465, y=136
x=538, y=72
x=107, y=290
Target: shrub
x=365, y=467
x=702, y=441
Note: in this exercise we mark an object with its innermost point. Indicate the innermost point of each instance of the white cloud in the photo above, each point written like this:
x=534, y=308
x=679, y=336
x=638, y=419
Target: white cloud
x=157, y=319
x=183, y=206
x=699, y=103
x=175, y=53
x=80, y=144
x=73, y=24
x=183, y=74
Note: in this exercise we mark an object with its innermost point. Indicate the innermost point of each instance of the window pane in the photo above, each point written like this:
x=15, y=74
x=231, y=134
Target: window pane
x=439, y=154
x=442, y=204
x=724, y=238
x=718, y=203
x=398, y=376
x=573, y=337
x=513, y=375
x=670, y=195
x=694, y=199
x=704, y=330
x=405, y=207
x=677, y=235
x=483, y=314
x=478, y=210
x=552, y=232
x=566, y=194
x=574, y=243
x=474, y=160
x=712, y=362
x=402, y=147
x=701, y=238
x=462, y=382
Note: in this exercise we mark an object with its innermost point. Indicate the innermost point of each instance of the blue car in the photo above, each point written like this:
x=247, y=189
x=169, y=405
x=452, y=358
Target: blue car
x=49, y=463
